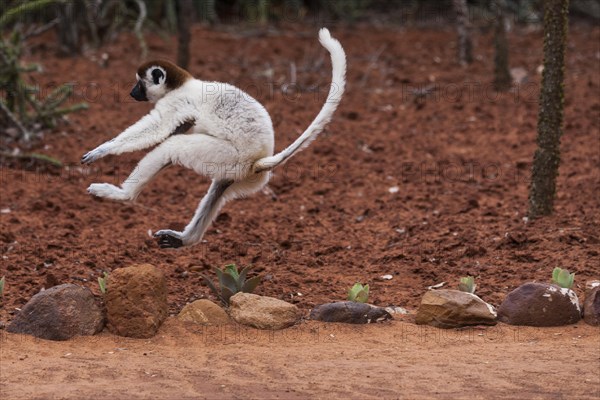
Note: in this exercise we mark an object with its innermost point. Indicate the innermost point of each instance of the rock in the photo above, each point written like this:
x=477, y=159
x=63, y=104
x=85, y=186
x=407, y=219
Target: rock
x=589, y=285
x=262, y=312
x=449, y=308
x=394, y=310
x=136, y=301
x=59, y=313
x=349, y=312
x=519, y=75
x=591, y=304
x=540, y=304
x=204, y=312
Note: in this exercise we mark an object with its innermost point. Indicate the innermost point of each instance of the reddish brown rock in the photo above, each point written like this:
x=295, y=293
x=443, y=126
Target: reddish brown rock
x=447, y=308
x=59, y=313
x=349, y=312
x=591, y=304
x=136, y=301
x=540, y=304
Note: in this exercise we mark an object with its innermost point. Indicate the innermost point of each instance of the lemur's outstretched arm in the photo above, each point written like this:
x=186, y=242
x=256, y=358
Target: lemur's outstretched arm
x=167, y=118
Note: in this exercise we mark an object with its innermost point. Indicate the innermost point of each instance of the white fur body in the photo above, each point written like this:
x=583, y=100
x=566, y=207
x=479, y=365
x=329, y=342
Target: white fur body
x=231, y=141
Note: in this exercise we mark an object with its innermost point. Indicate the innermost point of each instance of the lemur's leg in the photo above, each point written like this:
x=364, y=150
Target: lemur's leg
x=206, y=155
x=146, y=169
x=206, y=212
x=219, y=193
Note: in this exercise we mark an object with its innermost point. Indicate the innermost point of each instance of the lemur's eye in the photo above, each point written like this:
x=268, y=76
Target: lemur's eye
x=157, y=74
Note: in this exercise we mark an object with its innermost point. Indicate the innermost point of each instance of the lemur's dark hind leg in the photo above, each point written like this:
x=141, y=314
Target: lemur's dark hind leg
x=207, y=210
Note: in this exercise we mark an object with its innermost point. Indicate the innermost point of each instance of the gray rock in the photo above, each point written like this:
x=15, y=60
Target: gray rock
x=136, y=301
x=349, y=312
x=262, y=312
x=540, y=304
x=204, y=312
x=449, y=308
x=59, y=313
x=591, y=304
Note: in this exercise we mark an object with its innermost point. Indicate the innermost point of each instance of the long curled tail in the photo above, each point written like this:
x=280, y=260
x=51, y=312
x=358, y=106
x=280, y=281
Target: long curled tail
x=338, y=83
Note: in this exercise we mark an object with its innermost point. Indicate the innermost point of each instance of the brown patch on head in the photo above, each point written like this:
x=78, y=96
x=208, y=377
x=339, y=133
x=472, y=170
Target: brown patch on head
x=176, y=76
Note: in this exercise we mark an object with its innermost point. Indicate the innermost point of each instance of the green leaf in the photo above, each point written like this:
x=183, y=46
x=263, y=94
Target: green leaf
x=467, y=284
x=229, y=282
x=225, y=279
x=232, y=270
x=211, y=286
x=355, y=292
x=242, y=277
x=251, y=284
x=571, y=280
x=363, y=295
x=23, y=9
x=226, y=295
x=555, y=273
x=563, y=278
x=102, y=282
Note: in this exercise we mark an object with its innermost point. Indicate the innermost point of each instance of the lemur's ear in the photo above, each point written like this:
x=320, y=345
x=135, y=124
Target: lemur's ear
x=157, y=74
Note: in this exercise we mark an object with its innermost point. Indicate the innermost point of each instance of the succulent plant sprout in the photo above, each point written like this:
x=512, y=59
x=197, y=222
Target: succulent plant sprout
x=359, y=293
x=102, y=282
x=563, y=278
x=467, y=284
x=231, y=282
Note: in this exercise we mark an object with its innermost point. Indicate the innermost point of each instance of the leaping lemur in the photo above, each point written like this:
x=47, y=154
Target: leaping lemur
x=229, y=138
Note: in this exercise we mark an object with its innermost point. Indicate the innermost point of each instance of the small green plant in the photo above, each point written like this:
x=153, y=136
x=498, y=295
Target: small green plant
x=2, y=281
x=467, y=284
x=563, y=278
x=358, y=293
x=102, y=282
x=22, y=105
x=231, y=282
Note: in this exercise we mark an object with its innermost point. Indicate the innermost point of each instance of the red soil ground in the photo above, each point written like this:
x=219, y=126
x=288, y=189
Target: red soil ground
x=460, y=159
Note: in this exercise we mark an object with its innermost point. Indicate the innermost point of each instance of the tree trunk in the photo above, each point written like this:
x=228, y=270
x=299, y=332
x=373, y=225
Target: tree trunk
x=547, y=155
x=206, y=11
x=186, y=9
x=502, y=78
x=67, y=29
x=463, y=28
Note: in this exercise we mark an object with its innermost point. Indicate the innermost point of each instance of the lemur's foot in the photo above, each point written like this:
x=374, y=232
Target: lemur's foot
x=168, y=239
x=107, y=191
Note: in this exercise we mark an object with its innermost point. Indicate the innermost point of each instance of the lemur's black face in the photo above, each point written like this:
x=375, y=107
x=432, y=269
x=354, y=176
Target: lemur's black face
x=139, y=91
x=151, y=84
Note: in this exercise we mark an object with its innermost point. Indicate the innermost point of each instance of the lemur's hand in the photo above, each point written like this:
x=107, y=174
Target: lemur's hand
x=168, y=239
x=96, y=154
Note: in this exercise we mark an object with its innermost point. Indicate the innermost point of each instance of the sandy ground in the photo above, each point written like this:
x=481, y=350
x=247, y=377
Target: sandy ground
x=396, y=360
